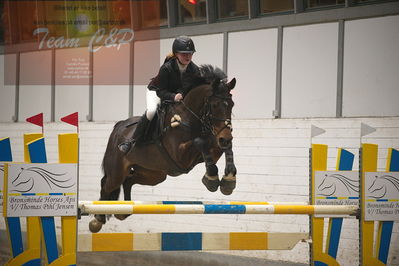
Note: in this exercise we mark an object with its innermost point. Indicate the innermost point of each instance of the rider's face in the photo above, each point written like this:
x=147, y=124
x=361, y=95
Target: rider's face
x=184, y=58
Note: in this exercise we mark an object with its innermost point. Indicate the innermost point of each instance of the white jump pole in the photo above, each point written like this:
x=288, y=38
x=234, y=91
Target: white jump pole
x=218, y=209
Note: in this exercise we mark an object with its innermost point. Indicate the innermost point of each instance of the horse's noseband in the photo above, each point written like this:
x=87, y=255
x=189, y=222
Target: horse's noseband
x=228, y=124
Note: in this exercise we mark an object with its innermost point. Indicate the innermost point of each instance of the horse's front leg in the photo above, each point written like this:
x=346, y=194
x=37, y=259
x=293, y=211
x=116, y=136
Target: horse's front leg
x=211, y=177
x=228, y=182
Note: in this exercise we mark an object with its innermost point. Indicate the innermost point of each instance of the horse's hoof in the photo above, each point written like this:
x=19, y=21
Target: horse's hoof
x=95, y=226
x=121, y=216
x=211, y=182
x=228, y=184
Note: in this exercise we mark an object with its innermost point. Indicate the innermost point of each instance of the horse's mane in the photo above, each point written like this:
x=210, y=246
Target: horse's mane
x=203, y=84
x=207, y=74
x=210, y=73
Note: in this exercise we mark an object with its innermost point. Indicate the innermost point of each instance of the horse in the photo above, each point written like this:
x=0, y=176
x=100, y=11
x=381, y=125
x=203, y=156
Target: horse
x=200, y=131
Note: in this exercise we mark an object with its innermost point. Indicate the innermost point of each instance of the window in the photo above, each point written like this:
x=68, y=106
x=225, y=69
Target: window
x=66, y=19
x=232, y=8
x=151, y=14
x=321, y=3
x=372, y=1
x=270, y=6
x=83, y=18
x=192, y=11
x=20, y=20
x=163, y=13
x=2, y=19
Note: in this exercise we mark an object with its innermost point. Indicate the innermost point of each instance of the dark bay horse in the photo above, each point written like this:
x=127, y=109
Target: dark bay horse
x=203, y=133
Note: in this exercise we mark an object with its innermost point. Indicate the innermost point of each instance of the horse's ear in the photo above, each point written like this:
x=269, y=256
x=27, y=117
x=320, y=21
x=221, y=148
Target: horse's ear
x=231, y=84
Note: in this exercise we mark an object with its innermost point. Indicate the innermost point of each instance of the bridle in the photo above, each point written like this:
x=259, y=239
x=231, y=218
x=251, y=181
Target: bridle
x=206, y=117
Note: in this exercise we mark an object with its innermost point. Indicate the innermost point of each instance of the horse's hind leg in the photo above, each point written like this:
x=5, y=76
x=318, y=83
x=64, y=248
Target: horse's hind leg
x=140, y=176
x=127, y=189
x=96, y=224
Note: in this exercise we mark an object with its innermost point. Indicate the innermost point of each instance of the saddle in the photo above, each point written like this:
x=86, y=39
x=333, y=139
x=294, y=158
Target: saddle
x=158, y=125
x=155, y=130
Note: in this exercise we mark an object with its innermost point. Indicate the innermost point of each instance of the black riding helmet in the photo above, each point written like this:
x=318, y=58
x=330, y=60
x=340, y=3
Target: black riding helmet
x=184, y=45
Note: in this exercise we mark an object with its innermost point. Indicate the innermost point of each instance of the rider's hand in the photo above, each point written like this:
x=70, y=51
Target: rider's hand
x=178, y=97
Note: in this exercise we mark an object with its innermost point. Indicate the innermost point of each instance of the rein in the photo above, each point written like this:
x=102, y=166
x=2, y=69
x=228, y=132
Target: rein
x=207, y=117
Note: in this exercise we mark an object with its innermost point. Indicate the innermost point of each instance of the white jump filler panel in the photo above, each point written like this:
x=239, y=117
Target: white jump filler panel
x=382, y=196
x=41, y=190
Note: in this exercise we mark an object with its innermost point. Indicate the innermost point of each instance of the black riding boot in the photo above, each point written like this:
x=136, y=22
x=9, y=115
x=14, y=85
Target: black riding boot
x=138, y=135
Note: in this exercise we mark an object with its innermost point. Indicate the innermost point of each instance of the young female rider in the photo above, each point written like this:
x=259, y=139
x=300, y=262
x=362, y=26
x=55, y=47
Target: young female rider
x=168, y=85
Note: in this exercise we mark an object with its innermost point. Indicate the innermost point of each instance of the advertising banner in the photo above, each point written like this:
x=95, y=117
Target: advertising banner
x=41, y=190
x=382, y=196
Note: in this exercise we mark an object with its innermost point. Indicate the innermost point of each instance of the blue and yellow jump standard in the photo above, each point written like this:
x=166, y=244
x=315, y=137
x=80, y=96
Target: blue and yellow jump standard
x=319, y=163
x=374, y=252
x=31, y=254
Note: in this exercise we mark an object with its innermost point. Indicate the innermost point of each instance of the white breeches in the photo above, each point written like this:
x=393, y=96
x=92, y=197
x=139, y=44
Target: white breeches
x=152, y=103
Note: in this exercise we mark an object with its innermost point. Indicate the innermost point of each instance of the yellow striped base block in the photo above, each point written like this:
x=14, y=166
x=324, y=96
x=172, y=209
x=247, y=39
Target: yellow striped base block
x=189, y=241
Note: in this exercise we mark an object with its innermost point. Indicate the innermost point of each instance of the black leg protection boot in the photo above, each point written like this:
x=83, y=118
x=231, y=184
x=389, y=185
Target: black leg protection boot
x=138, y=134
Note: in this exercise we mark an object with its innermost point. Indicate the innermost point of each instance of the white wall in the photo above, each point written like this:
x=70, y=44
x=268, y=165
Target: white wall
x=111, y=83
x=139, y=99
x=371, y=67
x=166, y=49
x=309, y=70
x=72, y=94
x=111, y=103
x=209, y=50
x=70, y=99
x=252, y=58
x=35, y=85
x=7, y=87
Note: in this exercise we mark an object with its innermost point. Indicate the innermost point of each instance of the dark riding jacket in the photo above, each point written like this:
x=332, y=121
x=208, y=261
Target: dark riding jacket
x=169, y=81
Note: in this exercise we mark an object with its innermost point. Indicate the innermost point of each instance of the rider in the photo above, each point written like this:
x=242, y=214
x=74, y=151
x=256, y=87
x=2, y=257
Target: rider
x=168, y=85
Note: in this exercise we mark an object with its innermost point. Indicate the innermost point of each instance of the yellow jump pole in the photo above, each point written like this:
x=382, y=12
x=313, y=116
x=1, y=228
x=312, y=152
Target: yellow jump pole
x=68, y=151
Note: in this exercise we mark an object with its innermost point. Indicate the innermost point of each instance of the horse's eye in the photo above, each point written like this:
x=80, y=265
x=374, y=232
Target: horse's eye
x=225, y=103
